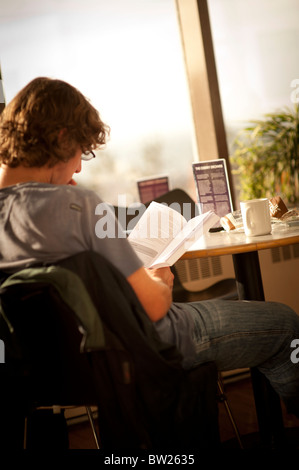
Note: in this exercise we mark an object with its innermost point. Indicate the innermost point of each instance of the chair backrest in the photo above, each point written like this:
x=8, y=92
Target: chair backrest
x=180, y=201
x=178, y=198
x=44, y=365
x=44, y=347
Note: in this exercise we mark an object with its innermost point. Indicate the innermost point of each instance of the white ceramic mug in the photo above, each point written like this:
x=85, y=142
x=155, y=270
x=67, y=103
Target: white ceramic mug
x=256, y=217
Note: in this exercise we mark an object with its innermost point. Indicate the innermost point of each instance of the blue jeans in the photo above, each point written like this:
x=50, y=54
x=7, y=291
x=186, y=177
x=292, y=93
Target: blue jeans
x=238, y=334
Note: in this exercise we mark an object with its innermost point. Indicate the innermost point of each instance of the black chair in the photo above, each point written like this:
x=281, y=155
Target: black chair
x=57, y=353
x=45, y=370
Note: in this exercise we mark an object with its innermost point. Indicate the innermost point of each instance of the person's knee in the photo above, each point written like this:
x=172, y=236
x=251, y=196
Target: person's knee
x=287, y=317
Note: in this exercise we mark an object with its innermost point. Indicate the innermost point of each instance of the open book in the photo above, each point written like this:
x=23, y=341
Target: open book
x=162, y=235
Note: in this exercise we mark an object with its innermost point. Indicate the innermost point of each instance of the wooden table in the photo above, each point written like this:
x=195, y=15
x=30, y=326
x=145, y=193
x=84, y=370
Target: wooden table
x=244, y=251
x=229, y=243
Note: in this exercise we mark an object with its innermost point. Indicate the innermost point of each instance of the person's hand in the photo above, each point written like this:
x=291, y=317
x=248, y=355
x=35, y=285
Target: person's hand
x=164, y=274
x=153, y=287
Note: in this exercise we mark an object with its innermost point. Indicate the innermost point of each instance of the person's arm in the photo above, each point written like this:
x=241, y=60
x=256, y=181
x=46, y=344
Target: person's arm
x=153, y=287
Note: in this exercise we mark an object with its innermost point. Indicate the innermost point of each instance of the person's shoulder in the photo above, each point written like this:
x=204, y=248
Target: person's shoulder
x=79, y=191
x=54, y=195
x=60, y=190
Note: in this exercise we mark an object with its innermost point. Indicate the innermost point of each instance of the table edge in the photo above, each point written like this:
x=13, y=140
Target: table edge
x=242, y=248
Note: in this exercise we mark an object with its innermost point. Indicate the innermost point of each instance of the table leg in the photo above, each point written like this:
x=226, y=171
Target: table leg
x=248, y=276
x=268, y=407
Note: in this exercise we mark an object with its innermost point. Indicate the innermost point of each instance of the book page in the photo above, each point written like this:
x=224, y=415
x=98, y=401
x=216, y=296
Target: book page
x=154, y=231
x=190, y=233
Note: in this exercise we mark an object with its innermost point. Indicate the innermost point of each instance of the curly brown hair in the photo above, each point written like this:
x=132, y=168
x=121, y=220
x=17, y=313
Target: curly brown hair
x=46, y=122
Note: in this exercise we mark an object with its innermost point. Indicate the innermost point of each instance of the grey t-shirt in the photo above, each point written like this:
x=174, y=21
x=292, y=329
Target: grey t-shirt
x=47, y=223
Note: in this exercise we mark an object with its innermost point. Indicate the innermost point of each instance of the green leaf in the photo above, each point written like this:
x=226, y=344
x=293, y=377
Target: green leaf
x=266, y=156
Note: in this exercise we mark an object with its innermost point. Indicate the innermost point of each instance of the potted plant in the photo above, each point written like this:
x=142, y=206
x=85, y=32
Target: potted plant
x=266, y=157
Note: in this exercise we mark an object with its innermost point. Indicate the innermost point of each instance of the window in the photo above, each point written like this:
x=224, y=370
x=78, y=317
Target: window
x=256, y=47
x=126, y=57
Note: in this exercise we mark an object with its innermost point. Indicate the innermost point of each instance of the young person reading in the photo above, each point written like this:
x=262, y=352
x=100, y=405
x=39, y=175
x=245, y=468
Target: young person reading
x=45, y=132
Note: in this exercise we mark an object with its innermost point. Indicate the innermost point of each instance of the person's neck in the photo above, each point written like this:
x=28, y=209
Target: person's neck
x=11, y=176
